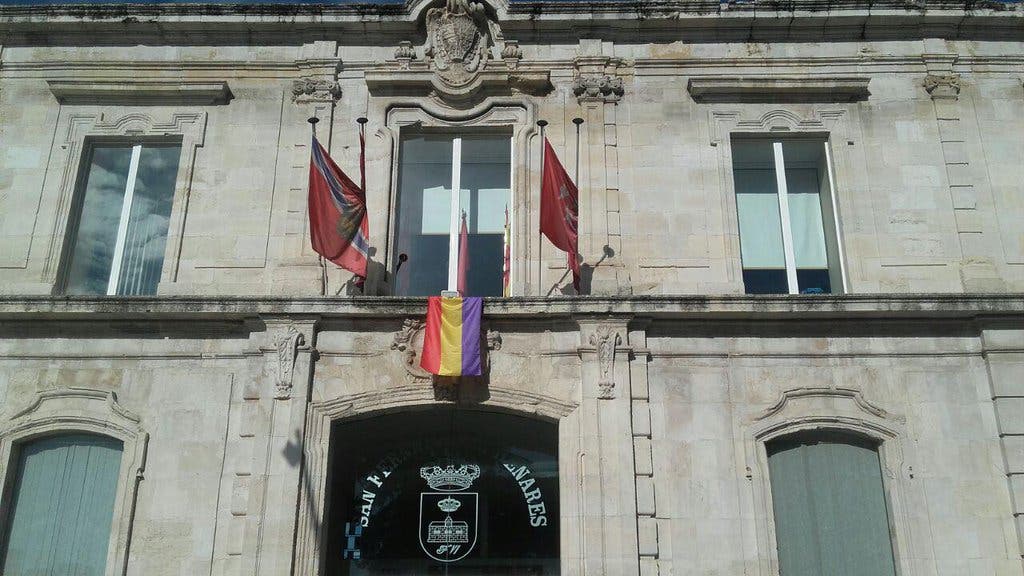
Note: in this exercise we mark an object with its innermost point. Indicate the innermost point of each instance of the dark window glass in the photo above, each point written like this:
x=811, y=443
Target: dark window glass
x=813, y=281
x=765, y=281
x=443, y=492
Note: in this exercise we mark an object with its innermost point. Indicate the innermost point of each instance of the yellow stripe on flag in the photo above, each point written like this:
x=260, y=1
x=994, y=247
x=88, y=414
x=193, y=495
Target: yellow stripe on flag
x=451, y=337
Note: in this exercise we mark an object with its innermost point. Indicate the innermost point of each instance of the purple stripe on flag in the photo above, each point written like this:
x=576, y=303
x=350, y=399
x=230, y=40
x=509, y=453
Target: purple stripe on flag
x=471, y=309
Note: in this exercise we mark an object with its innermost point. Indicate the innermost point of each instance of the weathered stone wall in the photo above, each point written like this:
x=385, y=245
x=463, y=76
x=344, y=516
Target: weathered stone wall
x=926, y=179
x=663, y=408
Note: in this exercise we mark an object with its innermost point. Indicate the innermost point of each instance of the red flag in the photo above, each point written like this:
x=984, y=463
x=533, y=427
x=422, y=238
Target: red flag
x=463, y=255
x=338, y=226
x=559, y=210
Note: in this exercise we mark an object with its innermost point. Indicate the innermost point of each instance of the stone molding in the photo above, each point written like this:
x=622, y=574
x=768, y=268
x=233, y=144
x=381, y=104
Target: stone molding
x=779, y=89
x=140, y=92
x=809, y=307
x=113, y=122
x=82, y=410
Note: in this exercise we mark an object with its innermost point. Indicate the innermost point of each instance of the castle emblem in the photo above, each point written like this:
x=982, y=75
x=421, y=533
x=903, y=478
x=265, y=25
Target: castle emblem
x=448, y=515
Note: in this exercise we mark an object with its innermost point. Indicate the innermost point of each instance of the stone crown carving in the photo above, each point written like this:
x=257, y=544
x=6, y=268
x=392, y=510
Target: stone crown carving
x=598, y=88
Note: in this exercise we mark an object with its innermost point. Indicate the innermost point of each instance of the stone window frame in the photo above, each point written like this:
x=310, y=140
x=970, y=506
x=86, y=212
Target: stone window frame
x=831, y=124
x=81, y=129
x=517, y=114
x=827, y=409
x=310, y=530
x=80, y=410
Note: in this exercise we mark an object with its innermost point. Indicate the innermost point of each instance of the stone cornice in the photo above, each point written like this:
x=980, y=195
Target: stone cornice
x=524, y=21
x=148, y=92
x=722, y=307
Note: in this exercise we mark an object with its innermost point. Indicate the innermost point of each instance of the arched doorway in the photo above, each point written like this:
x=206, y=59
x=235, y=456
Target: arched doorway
x=443, y=491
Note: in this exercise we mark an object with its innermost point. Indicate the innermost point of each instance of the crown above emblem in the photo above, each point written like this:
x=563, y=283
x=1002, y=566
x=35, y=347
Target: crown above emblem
x=450, y=478
x=449, y=505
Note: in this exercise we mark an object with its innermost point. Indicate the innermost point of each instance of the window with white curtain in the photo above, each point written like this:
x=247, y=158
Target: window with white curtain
x=430, y=217
x=789, y=241
x=831, y=515
x=62, y=506
x=120, y=234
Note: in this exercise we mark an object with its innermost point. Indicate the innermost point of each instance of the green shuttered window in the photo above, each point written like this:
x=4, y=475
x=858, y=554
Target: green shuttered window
x=62, y=506
x=830, y=509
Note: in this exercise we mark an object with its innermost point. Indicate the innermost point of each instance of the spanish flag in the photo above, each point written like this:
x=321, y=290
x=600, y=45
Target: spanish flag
x=451, y=340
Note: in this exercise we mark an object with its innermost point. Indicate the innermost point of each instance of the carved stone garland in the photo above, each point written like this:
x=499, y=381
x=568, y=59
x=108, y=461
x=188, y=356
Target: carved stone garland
x=287, y=345
x=605, y=340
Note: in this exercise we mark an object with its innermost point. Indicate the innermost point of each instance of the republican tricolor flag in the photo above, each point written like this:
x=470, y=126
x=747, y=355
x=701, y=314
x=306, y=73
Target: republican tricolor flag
x=451, y=339
x=338, y=225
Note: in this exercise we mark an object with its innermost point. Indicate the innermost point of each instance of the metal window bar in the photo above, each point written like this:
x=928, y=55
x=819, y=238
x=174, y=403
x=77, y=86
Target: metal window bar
x=787, y=230
x=117, y=263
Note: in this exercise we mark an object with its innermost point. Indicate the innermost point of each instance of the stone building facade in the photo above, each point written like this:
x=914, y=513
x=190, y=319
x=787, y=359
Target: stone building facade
x=664, y=389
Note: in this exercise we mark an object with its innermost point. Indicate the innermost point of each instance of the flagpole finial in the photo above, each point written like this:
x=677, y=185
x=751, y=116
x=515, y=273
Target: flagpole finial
x=577, y=121
x=312, y=122
x=542, y=123
x=362, y=120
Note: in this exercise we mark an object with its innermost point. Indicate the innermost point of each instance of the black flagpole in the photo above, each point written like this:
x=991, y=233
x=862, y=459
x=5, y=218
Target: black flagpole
x=320, y=259
x=577, y=121
x=540, y=234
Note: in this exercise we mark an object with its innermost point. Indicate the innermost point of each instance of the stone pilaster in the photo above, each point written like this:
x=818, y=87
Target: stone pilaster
x=270, y=424
x=971, y=206
x=314, y=92
x=608, y=485
x=599, y=88
x=1004, y=357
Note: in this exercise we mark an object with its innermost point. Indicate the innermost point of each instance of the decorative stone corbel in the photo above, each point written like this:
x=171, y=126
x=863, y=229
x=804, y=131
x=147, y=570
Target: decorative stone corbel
x=287, y=345
x=605, y=340
x=598, y=88
x=315, y=89
x=942, y=86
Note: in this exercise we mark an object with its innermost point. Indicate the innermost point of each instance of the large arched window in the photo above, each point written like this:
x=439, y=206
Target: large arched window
x=830, y=508
x=62, y=506
x=443, y=491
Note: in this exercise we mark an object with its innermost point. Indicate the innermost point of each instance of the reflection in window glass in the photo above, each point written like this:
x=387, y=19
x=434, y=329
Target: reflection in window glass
x=122, y=227
x=443, y=492
x=791, y=252
x=425, y=226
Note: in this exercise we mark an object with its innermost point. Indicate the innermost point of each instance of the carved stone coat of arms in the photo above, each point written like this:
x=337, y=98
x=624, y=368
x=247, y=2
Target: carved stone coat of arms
x=459, y=38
